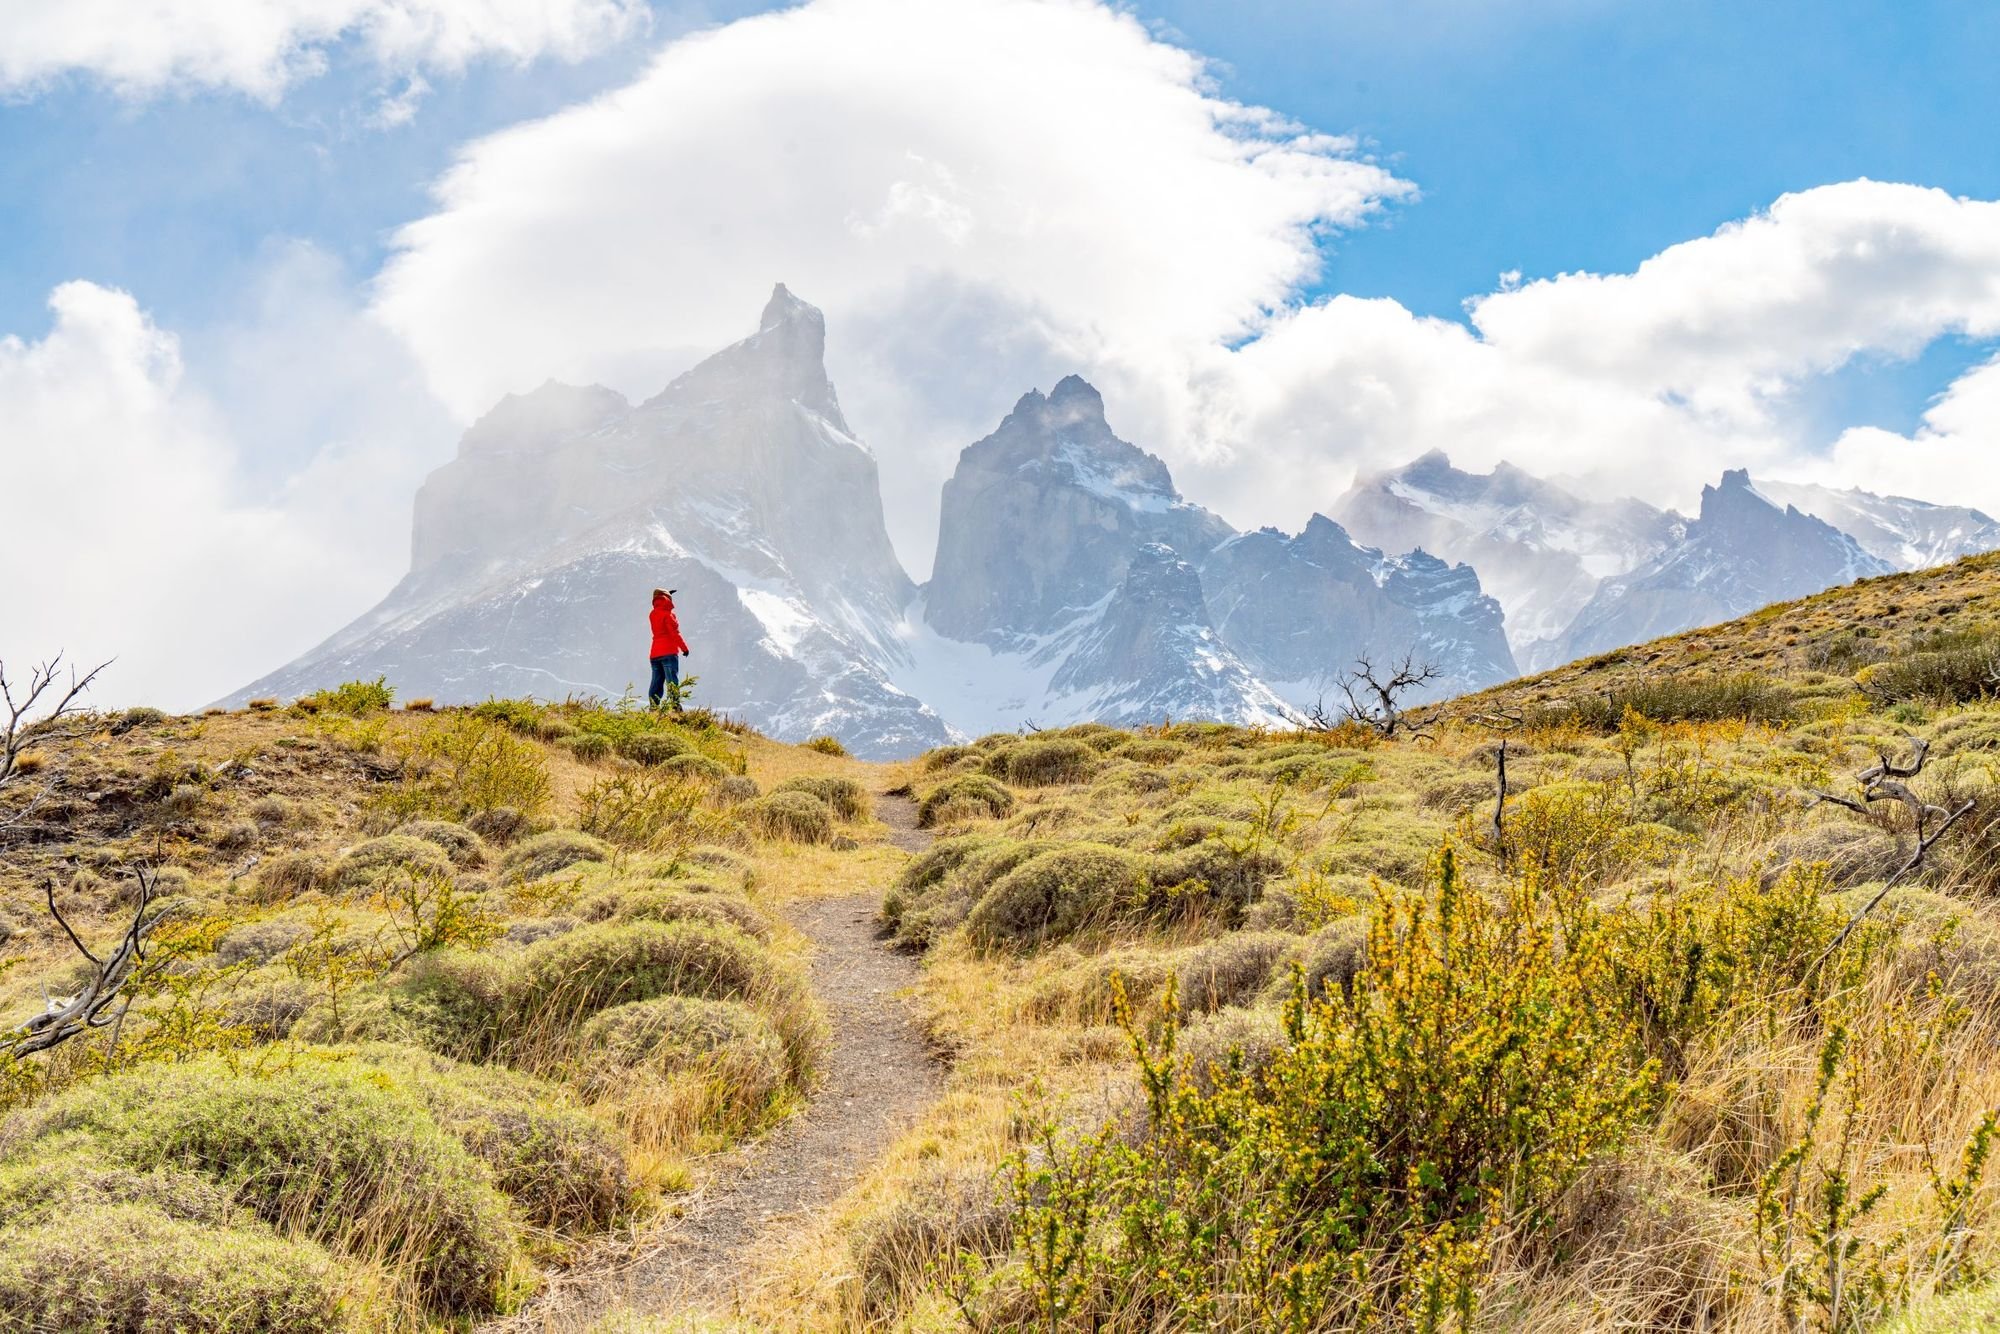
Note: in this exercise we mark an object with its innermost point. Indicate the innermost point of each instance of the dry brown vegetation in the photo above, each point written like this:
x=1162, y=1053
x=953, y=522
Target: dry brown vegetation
x=407, y=1035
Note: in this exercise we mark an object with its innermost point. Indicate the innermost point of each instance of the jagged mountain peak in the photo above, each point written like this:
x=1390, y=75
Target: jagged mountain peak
x=786, y=357
x=784, y=308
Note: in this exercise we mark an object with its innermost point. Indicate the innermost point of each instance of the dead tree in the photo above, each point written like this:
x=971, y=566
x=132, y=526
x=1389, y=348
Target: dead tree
x=1375, y=700
x=41, y=712
x=1500, y=804
x=64, y=1017
x=1883, y=781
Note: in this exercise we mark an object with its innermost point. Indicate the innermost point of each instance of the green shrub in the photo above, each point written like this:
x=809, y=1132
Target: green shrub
x=1476, y=1073
x=132, y=1268
x=694, y=768
x=1214, y=878
x=258, y=942
x=370, y=863
x=461, y=765
x=794, y=817
x=737, y=788
x=652, y=748
x=846, y=798
x=140, y=715
x=464, y=847
x=574, y=976
x=1958, y=668
x=291, y=874
x=657, y=903
x=673, y=1035
x=352, y=698
x=966, y=796
x=944, y=757
x=546, y=854
x=1677, y=698
x=1057, y=893
x=587, y=746
x=658, y=810
x=939, y=888
x=448, y=1001
x=1231, y=970
x=564, y=1168
x=827, y=745
x=1040, y=763
x=322, y=1149
x=1153, y=750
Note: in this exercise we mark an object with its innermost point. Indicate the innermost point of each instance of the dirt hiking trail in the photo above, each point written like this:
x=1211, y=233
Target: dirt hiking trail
x=878, y=1076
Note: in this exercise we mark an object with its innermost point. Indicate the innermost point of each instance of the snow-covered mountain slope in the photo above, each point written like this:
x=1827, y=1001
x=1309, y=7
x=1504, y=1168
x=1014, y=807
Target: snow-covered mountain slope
x=1743, y=552
x=1907, y=534
x=740, y=484
x=1094, y=591
x=1539, y=550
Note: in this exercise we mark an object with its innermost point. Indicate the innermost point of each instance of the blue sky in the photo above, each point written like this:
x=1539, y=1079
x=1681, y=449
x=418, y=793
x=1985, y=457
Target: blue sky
x=1548, y=137
x=243, y=312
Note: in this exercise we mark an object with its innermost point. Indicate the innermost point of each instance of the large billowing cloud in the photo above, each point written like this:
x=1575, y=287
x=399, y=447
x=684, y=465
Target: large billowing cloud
x=989, y=193
x=982, y=194
x=1649, y=382
x=194, y=544
x=260, y=47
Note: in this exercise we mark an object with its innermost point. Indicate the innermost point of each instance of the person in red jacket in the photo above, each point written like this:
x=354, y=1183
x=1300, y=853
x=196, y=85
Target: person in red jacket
x=668, y=646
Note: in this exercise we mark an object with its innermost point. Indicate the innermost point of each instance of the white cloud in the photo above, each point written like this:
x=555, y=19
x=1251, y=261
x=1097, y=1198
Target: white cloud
x=199, y=546
x=1646, y=383
x=262, y=47
x=986, y=194
x=1954, y=454
x=982, y=194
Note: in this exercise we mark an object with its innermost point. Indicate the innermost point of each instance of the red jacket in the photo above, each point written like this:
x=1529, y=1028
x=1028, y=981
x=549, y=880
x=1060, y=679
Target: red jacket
x=666, y=630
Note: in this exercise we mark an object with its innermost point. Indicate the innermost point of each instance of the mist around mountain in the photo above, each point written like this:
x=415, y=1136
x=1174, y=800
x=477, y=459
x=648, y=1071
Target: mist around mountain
x=1072, y=581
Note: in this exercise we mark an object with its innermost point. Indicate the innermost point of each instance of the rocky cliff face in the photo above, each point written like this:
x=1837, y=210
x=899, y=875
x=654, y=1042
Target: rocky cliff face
x=1043, y=517
x=739, y=484
x=1906, y=534
x=1742, y=553
x=1099, y=592
x=1540, y=551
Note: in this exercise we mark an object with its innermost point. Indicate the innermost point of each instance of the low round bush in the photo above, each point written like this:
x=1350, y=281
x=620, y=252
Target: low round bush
x=946, y=756
x=564, y=1168
x=557, y=850
x=1334, y=956
x=134, y=1269
x=846, y=798
x=587, y=746
x=1057, y=893
x=464, y=847
x=566, y=980
x=1040, y=763
x=694, y=768
x=662, y=903
x=321, y=1148
x=939, y=888
x=651, y=748
x=288, y=876
x=1211, y=879
x=671, y=1035
x=1230, y=970
x=968, y=795
x=386, y=857
x=794, y=817
x=736, y=788
x=258, y=942
x=448, y=1001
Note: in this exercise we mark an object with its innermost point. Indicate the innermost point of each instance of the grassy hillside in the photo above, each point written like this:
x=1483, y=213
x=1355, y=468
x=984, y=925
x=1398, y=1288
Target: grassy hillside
x=1248, y=1029
x=1282, y=1031
x=434, y=999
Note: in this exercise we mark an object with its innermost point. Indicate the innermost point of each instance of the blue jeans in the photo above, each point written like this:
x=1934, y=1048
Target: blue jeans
x=666, y=668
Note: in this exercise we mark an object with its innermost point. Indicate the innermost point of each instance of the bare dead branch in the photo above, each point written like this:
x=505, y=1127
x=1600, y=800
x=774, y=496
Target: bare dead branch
x=66, y=1017
x=1883, y=781
x=1500, y=803
x=1375, y=700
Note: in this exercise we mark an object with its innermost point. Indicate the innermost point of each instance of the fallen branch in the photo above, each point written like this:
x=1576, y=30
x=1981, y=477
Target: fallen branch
x=1916, y=861
x=63, y=1018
